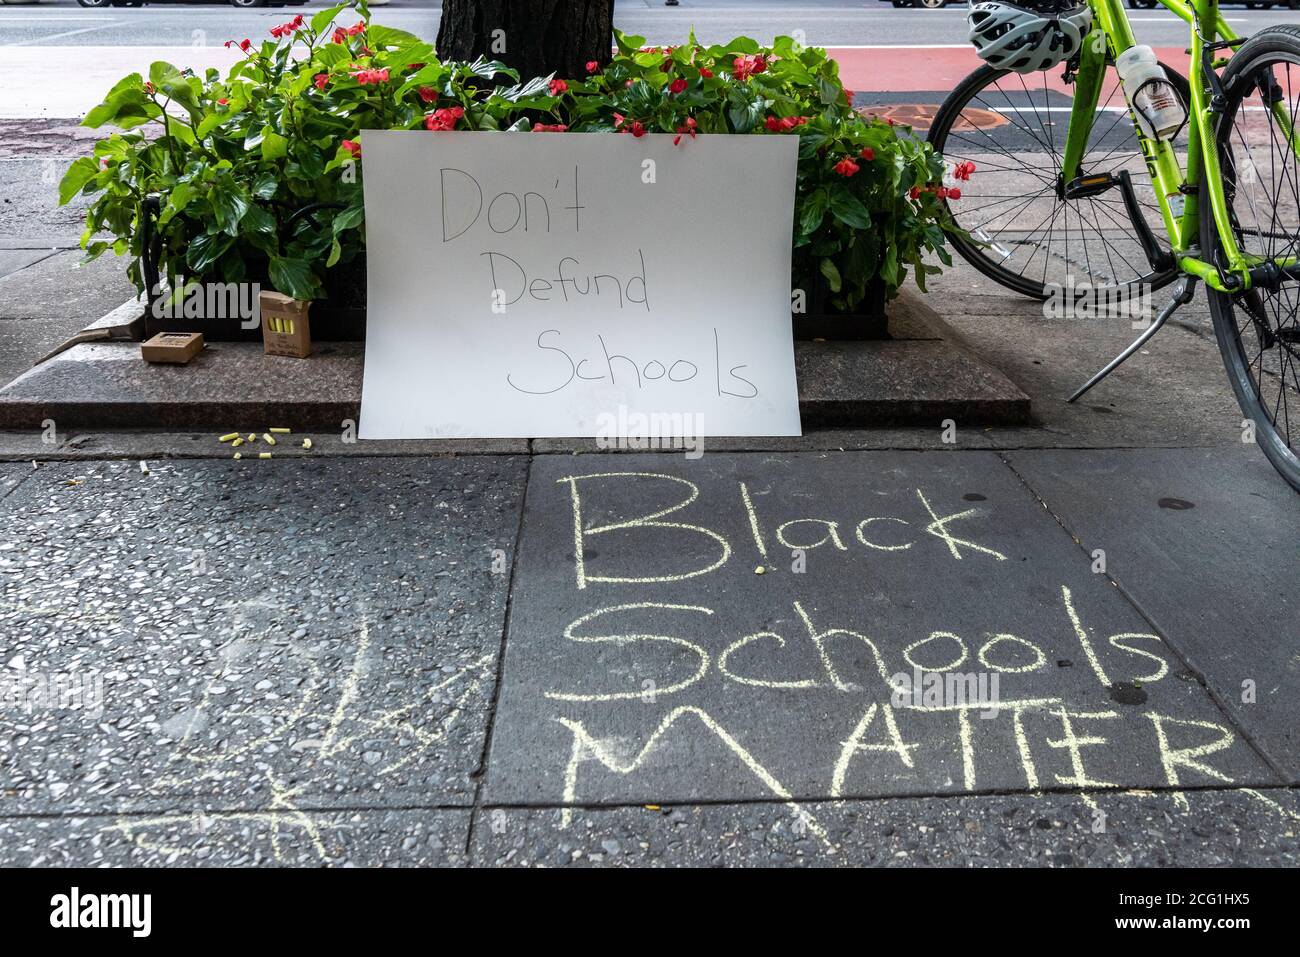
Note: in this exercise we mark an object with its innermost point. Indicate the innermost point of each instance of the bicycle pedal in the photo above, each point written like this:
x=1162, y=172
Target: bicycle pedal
x=1081, y=187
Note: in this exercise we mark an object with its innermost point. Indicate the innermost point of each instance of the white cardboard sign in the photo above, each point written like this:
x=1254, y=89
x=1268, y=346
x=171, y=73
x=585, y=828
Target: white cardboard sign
x=544, y=284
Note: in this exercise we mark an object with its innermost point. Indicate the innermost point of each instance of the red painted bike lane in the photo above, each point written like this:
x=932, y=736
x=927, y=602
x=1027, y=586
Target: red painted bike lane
x=894, y=69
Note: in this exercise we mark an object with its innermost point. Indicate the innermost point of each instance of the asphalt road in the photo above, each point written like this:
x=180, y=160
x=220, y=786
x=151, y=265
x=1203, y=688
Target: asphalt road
x=824, y=22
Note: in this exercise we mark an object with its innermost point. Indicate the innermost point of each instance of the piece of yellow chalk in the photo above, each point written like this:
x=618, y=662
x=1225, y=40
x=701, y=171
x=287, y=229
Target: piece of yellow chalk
x=263, y=455
x=306, y=443
x=227, y=438
x=252, y=436
x=239, y=455
x=237, y=443
x=277, y=431
x=268, y=438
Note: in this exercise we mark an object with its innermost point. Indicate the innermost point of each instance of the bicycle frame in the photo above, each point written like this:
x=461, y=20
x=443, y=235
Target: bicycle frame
x=1112, y=34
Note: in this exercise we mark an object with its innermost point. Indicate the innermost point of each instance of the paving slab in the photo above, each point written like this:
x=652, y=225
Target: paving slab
x=1204, y=542
x=108, y=385
x=24, y=342
x=422, y=838
x=887, y=382
x=125, y=444
x=649, y=661
x=11, y=476
x=1199, y=829
x=58, y=287
x=251, y=635
x=30, y=214
x=1174, y=392
x=12, y=260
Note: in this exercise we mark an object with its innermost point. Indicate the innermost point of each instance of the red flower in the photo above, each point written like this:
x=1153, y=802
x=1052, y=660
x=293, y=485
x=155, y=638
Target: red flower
x=706, y=73
x=244, y=45
x=963, y=170
x=444, y=119
x=687, y=128
x=353, y=147
x=780, y=125
x=366, y=77
x=677, y=86
x=287, y=29
x=356, y=28
x=667, y=65
x=846, y=167
x=743, y=67
x=428, y=94
x=222, y=102
x=340, y=35
x=148, y=87
x=954, y=193
x=848, y=93
x=593, y=66
x=558, y=87
x=636, y=127
x=321, y=79
x=914, y=192
x=868, y=153
x=550, y=128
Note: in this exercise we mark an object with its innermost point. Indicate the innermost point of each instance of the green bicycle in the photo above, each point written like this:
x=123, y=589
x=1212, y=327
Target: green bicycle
x=1073, y=190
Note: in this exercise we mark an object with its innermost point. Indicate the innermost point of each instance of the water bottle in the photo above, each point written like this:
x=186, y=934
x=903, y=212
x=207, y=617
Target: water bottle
x=1156, y=105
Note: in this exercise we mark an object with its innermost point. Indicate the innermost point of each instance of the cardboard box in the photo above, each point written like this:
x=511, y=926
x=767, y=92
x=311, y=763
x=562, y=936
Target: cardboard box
x=286, y=329
x=175, y=348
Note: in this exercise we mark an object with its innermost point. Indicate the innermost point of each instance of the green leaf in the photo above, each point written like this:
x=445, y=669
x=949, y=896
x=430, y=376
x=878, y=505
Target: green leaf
x=203, y=251
x=829, y=90
x=348, y=218
x=293, y=277
x=257, y=220
x=265, y=185
x=325, y=17
x=849, y=210
x=813, y=211
x=209, y=123
x=126, y=106
x=274, y=146
x=832, y=274
x=81, y=172
x=177, y=200
x=228, y=207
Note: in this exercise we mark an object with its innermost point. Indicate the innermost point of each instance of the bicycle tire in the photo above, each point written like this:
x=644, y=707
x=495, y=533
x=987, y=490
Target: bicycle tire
x=962, y=96
x=1280, y=449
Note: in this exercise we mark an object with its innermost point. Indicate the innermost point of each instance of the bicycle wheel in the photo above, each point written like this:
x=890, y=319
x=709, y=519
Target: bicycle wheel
x=1024, y=234
x=1258, y=331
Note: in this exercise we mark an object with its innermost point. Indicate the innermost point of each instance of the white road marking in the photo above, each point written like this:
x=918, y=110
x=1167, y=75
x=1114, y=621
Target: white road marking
x=67, y=33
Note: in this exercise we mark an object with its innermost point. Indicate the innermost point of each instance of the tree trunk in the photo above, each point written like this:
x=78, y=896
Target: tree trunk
x=536, y=37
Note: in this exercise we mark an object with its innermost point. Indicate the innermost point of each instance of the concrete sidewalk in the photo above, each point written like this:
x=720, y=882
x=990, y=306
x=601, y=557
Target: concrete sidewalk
x=517, y=652
x=560, y=659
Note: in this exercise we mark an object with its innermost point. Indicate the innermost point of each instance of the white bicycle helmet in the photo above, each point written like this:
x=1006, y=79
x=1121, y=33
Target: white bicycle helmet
x=1014, y=36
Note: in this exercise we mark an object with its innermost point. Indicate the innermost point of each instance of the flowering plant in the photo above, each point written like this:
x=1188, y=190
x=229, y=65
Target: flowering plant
x=237, y=160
